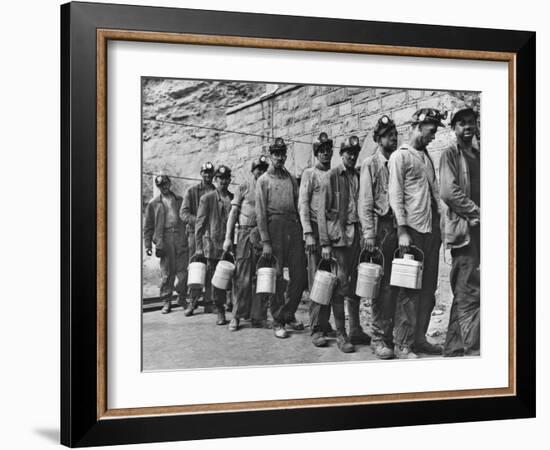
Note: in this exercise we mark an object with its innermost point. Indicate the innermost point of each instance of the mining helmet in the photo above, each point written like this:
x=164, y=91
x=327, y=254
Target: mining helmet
x=429, y=115
x=350, y=144
x=260, y=162
x=207, y=167
x=459, y=112
x=383, y=125
x=223, y=172
x=277, y=146
x=322, y=141
x=161, y=179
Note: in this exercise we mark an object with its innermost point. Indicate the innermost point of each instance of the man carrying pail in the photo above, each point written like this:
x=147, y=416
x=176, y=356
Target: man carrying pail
x=308, y=203
x=164, y=228
x=281, y=235
x=188, y=214
x=379, y=231
x=339, y=236
x=414, y=199
x=249, y=248
x=212, y=217
x=459, y=173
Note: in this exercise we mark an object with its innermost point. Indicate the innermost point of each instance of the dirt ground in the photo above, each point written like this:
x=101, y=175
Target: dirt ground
x=174, y=342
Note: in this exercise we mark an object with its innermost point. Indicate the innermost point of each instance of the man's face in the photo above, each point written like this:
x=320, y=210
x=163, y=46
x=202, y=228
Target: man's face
x=324, y=154
x=278, y=159
x=207, y=177
x=223, y=182
x=258, y=172
x=349, y=158
x=389, y=141
x=424, y=134
x=465, y=127
x=164, y=188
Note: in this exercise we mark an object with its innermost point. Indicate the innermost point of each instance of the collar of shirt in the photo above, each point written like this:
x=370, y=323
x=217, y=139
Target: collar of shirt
x=381, y=158
x=321, y=167
x=279, y=173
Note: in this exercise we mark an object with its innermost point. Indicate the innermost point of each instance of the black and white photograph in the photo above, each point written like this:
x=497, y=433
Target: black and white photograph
x=300, y=224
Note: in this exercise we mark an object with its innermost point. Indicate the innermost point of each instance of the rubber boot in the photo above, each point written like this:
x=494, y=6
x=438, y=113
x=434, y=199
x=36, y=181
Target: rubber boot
x=166, y=306
x=356, y=333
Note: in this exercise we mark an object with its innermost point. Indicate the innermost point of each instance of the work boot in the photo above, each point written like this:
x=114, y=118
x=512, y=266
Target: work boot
x=279, y=331
x=293, y=324
x=221, y=317
x=166, y=307
x=404, y=352
x=190, y=308
x=343, y=343
x=318, y=340
x=234, y=324
x=382, y=350
x=426, y=347
x=356, y=334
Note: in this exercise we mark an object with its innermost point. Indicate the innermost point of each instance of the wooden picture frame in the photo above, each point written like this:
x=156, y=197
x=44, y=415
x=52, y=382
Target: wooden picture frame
x=85, y=30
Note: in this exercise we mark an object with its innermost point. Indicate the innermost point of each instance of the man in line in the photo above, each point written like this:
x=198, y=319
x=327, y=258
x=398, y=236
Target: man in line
x=339, y=236
x=378, y=225
x=310, y=190
x=281, y=235
x=188, y=214
x=414, y=199
x=212, y=217
x=459, y=172
x=164, y=228
x=249, y=248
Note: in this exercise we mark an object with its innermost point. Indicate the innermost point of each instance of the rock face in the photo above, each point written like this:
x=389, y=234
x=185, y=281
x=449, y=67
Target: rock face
x=180, y=150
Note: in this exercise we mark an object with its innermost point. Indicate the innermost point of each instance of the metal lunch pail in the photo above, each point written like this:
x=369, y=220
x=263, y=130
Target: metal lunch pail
x=324, y=282
x=407, y=271
x=196, y=272
x=369, y=275
x=266, y=277
x=224, y=272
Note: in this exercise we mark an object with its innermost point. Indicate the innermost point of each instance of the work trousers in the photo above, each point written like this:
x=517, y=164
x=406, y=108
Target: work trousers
x=288, y=249
x=414, y=306
x=319, y=315
x=383, y=306
x=173, y=265
x=463, y=334
x=347, y=259
x=247, y=253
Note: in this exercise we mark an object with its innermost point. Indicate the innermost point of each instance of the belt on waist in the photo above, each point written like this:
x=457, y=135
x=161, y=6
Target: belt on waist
x=285, y=217
x=246, y=227
x=172, y=230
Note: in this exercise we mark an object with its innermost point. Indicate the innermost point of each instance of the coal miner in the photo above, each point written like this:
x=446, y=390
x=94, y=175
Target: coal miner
x=248, y=249
x=310, y=192
x=211, y=221
x=339, y=236
x=164, y=228
x=379, y=230
x=414, y=199
x=188, y=214
x=281, y=235
x=459, y=173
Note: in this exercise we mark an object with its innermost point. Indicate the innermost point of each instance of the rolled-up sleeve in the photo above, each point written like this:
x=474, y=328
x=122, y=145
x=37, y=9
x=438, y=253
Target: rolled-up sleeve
x=451, y=192
x=304, y=201
x=261, y=208
x=366, y=202
x=395, y=187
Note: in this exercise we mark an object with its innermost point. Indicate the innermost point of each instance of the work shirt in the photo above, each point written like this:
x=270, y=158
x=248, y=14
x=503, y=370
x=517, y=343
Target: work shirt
x=310, y=192
x=457, y=206
x=374, y=199
x=413, y=189
x=190, y=206
x=212, y=221
x=171, y=214
x=276, y=196
x=245, y=200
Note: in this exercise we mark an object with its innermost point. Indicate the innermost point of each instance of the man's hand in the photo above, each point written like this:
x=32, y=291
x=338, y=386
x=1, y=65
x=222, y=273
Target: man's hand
x=148, y=252
x=159, y=252
x=474, y=222
x=311, y=245
x=227, y=245
x=267, y=250
x=370, y=243
x=326, y=252
x=405, y=240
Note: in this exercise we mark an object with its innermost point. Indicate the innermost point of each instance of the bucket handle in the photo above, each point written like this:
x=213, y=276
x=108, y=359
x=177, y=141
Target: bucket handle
x=227, y=254
x=333, y=265
x=198, y=258
x=411, y=247
x=376, y=249
x=262, y=258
